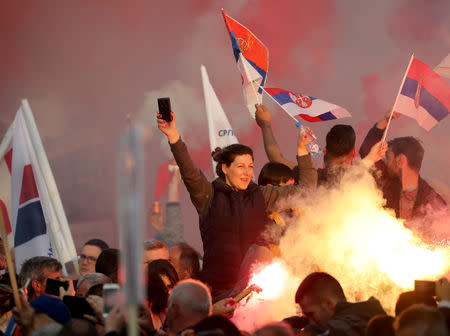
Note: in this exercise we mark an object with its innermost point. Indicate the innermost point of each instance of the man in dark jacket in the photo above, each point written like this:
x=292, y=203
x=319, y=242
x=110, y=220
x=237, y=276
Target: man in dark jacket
x=405, y=191
x=338, y=152
x=323, y=302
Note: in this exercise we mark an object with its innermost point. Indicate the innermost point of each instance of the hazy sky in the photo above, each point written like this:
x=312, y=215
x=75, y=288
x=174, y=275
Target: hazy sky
x=83, y=65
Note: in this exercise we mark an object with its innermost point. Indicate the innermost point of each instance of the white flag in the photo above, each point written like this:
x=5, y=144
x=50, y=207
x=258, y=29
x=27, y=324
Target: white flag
x=251, y=81
x=29, y=197
x=443, y=69
x=220, y=132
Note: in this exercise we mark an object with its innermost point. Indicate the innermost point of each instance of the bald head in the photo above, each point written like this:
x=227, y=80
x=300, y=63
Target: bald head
x=189, y=302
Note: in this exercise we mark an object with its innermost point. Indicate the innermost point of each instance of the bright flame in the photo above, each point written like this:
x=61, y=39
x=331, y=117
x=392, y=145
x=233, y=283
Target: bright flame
x=272, y=280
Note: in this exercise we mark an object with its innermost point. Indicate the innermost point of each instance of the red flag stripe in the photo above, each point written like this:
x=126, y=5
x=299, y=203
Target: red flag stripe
x=29, y=189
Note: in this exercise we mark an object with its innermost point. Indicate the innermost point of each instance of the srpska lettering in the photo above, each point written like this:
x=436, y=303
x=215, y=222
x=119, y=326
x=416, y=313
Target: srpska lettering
x=225, y=132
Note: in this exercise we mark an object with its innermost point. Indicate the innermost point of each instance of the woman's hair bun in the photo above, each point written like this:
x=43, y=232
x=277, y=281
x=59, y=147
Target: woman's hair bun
x=216, y=154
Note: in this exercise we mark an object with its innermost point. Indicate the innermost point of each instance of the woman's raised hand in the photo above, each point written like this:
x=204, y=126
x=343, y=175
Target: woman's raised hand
x=169, y=128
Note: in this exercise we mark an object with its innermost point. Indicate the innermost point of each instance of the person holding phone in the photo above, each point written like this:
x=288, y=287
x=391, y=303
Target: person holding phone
x=232, y=209
x=38, y=270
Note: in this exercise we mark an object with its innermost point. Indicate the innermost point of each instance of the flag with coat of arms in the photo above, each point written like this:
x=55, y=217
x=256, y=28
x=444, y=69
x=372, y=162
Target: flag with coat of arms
x=308, y=108
x=252, y=58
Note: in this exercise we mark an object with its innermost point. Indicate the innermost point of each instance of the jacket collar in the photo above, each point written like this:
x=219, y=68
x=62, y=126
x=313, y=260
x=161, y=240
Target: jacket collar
x=220, y=185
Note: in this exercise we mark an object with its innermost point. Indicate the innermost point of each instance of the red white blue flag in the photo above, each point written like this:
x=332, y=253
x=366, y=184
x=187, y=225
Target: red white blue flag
x=29, y=199
x=424, y=95
x=308, y=108
x=252, y=59
x=28, y=222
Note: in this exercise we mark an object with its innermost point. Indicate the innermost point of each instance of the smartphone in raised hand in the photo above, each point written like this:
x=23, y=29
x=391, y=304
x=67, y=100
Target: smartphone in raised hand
x=165, y=109
x=52, y=286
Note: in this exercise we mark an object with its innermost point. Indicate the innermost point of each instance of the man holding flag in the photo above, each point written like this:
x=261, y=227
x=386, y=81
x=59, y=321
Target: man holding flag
x=339, y=150
x=405, y=191
x=425, y=97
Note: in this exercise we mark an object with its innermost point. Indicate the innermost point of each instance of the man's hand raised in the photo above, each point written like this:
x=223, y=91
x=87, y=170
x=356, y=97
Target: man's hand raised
x=262, y=115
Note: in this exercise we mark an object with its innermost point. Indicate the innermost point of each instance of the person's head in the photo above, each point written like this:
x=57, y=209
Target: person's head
x=403, y=153
x=185, y=260
x=407, y=299
x=79, y=327
x=216, y=324
x=38, y=270
x=340, y=145
x=380, y=325
x=108, y=263
x=275, y=329
x=234, y=165
x=89, y=254
x=52, y=307
x=275, y=173
x=420, y=320
x=161, y=278
x=88, y=280
x=154, y=250
x=189, y=303
x=318, y=295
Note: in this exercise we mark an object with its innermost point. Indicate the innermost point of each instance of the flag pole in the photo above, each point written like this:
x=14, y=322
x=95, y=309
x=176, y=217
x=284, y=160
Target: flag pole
x=298, y=123
x=9, y=261
x=398, y=95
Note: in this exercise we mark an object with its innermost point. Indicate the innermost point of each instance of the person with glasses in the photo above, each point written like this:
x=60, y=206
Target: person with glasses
x=89, y=254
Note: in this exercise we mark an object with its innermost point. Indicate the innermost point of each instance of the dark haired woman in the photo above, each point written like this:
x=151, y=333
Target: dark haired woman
x=161, y=278
x=232, y=209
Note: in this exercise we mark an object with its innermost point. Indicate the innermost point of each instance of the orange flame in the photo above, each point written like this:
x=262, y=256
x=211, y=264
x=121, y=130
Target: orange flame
x=272, y=280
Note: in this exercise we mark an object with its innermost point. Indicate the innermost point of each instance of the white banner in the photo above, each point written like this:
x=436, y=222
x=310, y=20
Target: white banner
x=220, y=132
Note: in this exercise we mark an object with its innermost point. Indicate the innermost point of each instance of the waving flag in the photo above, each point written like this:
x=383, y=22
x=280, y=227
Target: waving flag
x=308, y=108
x=5, y=180
x=29, y=198
x=252, y=59
x=424, y=95
x=29, y=228
x=220, y=131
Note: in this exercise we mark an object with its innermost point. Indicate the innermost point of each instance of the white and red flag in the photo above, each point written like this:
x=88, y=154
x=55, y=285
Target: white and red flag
x=29, y=198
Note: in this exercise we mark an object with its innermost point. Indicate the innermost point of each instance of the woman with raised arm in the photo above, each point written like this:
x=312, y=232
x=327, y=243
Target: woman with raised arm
x=232, y=209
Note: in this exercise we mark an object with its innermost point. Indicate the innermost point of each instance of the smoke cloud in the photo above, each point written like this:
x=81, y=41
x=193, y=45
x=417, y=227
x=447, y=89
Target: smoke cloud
x=346, y=232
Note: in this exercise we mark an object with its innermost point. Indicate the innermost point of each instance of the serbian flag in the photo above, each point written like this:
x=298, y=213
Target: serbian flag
x=252, y=59
x=424, y=95
x=308, y=108
x=220, y=132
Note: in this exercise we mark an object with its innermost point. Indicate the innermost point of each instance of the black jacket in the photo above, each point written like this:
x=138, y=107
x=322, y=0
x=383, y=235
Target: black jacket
x=231, y=221
x=350, y=319
x=392, y=187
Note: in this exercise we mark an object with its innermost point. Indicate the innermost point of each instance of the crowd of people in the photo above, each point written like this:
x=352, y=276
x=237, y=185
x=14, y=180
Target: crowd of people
x=188, y=293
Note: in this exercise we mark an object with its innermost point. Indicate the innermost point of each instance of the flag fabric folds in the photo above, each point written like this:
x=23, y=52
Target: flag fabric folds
x=220, y=132
x=29, y=199
x=252, y=59
x=29, y=227
x=424, y=95
x=443, y=68
x=308, y=108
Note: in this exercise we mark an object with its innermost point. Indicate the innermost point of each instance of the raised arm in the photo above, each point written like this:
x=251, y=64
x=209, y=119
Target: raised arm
x=273, y=152
x=199, y=188
x=307, y=177
x=375, y=134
